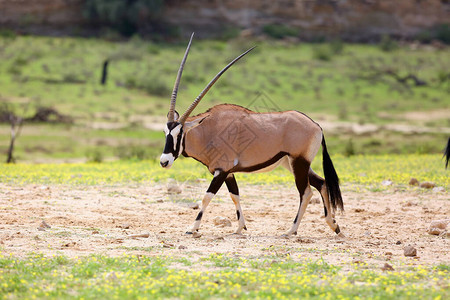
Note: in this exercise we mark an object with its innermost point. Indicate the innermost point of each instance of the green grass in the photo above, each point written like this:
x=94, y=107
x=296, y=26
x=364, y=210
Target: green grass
x=368, y=171
x=64, y=73
x=47, y=73
x=214, y=276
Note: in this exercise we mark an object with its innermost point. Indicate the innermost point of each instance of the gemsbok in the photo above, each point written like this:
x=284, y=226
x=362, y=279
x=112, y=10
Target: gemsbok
x=229, y=138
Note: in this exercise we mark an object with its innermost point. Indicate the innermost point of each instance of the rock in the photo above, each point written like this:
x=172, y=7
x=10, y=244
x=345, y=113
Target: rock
x=386, y=182
x=439, y=189
x=95, y=232
x=193, y=205
x=413, y=181
x=111, y=276
x=167, y=245
x=438, y=227
x=124, y=226
x=44, y=225
x=427, y=185
x=435, y=231
x=173, y=187
x=387, y=267
x=315, y=200
x=398, y=242
x=181, y=247
x=196, y=235
x=441, y=224
x=140, y=235
x=222, y=222
x=410, y=251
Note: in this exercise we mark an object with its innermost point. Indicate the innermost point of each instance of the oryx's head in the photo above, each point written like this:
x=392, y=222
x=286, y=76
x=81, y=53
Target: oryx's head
x=176, y=126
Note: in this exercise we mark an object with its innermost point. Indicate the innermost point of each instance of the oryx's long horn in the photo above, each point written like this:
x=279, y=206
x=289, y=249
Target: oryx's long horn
x=173, y=99
x=210, y=84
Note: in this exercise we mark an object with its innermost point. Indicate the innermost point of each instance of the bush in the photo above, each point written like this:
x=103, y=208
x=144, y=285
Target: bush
x=136, y=152
x=322, y=52
x=125, y=16
x=443, y=33
x=279, y=31
x=94, y=156
x=387, y=44
x=337, y=46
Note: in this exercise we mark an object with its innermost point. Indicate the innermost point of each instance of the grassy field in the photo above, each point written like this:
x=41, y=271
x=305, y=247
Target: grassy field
x=368, y=171
x=215, y=276
x=337, y=83
x=282, y=273
x=341, y=86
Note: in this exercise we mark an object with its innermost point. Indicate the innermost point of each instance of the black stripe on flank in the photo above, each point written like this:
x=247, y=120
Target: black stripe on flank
x=262, y=165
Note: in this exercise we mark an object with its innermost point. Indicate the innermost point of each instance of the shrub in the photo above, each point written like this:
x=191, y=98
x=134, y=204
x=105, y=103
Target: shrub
x=336, y=46
x=322, y=52
x=442, y=33
x=278, y=31
x=125, y=16
x=387, y=44
x=95, y=156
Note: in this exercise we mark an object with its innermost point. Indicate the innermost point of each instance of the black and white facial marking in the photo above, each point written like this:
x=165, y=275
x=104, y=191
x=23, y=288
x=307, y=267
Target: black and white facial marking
x=173, y=147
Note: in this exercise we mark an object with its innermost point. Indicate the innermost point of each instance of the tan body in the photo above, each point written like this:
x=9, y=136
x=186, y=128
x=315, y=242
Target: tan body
x=235, y=139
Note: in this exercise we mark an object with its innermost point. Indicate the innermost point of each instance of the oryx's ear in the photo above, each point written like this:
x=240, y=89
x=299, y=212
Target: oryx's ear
x=192, y=124
x=176, y=116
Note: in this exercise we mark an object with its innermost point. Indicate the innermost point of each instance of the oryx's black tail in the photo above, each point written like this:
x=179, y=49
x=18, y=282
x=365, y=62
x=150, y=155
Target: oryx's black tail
x=331, y=179
x=447, y=153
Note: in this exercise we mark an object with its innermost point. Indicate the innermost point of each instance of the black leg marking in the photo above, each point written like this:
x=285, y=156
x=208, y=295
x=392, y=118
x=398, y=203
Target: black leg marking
x=315, y=180
x=217, y=182
x=238, y=214
x=337, y=230
x=295, y=220
x=325, y=210
x=199, y=216
x=301, y=170
x=232, y=185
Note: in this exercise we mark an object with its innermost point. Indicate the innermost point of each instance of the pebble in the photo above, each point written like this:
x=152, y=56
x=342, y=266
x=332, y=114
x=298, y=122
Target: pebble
x=427, y=185
x=410, y=251
x=387, y=267
x=222, y=222
x=413, y=181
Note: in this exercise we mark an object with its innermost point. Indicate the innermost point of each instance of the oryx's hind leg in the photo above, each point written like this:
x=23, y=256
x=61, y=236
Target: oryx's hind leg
x=234, y=193
x=300, y=169
x=320, y=184
x=216, y=183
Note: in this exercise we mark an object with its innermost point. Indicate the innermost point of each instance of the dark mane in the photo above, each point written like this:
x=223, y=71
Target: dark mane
x=222, y=106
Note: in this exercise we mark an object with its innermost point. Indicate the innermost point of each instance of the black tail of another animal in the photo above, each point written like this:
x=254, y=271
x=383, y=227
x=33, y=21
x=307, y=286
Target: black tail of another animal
x=331, y=179
x=447, y=153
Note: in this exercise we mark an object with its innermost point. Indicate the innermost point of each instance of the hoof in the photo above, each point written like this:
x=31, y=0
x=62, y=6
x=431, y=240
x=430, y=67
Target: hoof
x=341, y=235
x=245, y=227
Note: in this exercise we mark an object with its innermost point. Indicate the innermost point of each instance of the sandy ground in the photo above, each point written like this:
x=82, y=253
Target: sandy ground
x=102, y=220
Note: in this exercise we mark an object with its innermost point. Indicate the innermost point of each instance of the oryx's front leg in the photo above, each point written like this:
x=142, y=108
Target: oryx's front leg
x=216, y=183
x=234, y=193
